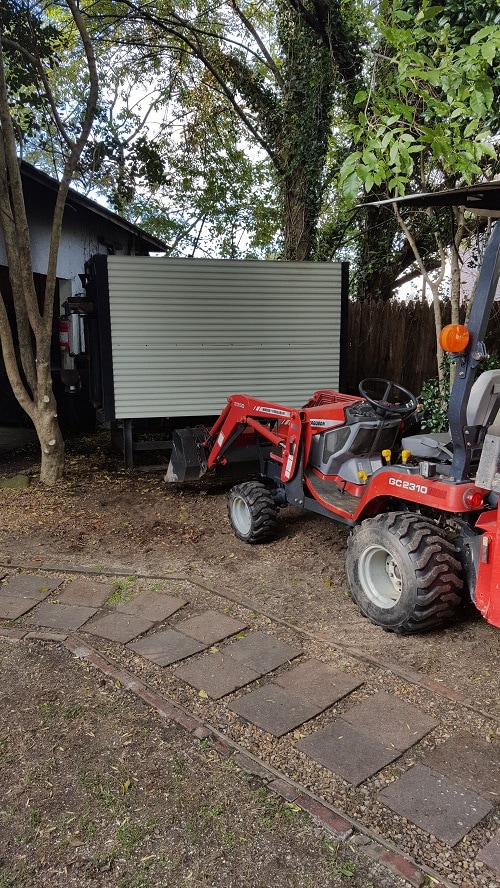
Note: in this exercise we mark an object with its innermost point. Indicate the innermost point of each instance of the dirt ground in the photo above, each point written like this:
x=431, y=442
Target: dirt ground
x=97, y=790
x=103, y=517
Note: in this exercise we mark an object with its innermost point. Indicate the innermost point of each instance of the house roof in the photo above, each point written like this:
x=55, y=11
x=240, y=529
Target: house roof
x=483, y=199
x=145, y=242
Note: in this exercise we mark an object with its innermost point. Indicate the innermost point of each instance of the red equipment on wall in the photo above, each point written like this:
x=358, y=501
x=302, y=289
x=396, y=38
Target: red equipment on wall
x=64, y=334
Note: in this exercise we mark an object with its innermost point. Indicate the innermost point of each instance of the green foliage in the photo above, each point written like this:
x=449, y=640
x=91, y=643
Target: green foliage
x=215, y=118
x=434, y=402
x=25, y=27
x=420, y=70
x=434, y=399
x=123, y=591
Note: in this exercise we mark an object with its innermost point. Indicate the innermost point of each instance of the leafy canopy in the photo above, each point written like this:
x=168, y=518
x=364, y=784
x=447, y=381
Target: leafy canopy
x=432, y=100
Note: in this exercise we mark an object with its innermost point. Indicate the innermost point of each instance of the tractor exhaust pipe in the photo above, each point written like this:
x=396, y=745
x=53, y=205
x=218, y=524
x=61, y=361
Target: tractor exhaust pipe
x=188, y=460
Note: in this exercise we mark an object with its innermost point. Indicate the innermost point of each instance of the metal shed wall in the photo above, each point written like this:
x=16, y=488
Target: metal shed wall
x=186, y=333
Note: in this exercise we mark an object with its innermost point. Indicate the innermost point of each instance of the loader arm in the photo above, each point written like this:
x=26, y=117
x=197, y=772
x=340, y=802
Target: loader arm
x=280, y=426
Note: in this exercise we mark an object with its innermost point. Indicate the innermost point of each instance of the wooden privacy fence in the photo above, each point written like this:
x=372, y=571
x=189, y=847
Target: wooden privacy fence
x=394, y=340
x=397, y=340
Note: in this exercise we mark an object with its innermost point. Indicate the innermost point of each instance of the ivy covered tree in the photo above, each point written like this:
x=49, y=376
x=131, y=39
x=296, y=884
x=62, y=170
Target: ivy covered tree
x=257, y=84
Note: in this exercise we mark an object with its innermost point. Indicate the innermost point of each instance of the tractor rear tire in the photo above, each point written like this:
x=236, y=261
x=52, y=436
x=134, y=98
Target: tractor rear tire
x=404, y=575
x=252, y=511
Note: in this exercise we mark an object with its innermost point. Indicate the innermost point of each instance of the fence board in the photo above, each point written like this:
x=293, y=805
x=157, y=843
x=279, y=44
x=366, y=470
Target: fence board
x=397, y=340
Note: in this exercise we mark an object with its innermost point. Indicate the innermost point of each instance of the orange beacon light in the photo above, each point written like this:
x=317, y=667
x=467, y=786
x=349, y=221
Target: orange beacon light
x=454, y=338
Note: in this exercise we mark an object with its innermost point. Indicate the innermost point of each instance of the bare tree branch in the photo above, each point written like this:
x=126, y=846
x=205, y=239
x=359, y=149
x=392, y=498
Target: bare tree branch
x=193, y=43
x=10, y=171
x=40, y=71
x=10, y=361
x=71, y=162
x=260, y=43
x=14, y=259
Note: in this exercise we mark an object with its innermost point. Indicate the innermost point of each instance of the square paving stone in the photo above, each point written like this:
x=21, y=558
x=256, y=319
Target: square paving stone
x=29, y=586
x=490, y=854
x=210, y=627
x=62, y=616
x=85, y=592
x=167, y=647
x=469, y=761
x=274, y=709
x=217, y=674
x=318, y=682
x=435, y=804
x=262, y=652
x=12, y=607
x=119, y=627
x=391, y=721
x=154, y=606
x=347, y=752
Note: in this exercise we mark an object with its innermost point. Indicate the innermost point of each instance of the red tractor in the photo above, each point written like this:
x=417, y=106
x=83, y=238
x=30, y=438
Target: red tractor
x=422, y=508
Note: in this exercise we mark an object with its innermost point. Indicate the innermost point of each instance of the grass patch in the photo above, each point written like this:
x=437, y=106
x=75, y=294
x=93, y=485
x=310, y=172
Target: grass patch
x=130, y=834
x=100, y=788
x=274, y=809
x=123, y=591
x=73, y=711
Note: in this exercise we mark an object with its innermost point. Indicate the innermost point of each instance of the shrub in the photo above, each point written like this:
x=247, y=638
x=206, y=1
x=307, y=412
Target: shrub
x=434, y=401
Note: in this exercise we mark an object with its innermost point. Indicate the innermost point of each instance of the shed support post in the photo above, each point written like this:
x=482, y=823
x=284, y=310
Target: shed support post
x=128, y=444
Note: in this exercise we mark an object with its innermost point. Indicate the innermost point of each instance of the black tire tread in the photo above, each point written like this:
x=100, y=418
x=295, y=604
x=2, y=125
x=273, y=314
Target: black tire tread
x=263, y=510
x=437, y=567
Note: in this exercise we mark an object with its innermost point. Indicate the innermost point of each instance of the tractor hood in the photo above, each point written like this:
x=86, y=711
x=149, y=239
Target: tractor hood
x=484, y=199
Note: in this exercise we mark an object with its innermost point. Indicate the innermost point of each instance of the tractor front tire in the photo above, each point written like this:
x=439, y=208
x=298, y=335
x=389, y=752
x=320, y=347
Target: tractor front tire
x=252, y=512
x=404, y=575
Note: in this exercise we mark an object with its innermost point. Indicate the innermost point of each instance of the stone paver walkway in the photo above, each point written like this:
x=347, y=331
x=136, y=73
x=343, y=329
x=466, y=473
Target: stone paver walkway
x=453, y=788
x=21, y=593
x=436, y=804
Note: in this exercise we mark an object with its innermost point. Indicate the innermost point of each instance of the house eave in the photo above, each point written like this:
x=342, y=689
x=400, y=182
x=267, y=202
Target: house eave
x=78, y=201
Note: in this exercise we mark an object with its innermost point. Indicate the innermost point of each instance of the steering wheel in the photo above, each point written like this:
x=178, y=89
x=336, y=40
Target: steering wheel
x=383, y=406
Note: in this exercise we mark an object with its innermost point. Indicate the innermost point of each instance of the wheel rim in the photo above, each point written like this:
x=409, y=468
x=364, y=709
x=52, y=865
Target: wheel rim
x=241, y=517
x=380, y=577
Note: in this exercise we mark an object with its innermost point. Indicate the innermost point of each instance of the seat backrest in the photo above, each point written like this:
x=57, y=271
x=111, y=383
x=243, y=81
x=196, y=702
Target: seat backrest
x=484, y=399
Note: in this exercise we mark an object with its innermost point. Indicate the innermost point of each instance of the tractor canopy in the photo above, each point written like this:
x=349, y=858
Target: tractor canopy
x=483, y=199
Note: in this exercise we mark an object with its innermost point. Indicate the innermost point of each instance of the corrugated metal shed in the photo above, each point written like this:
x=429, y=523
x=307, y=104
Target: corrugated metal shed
x=186, y=333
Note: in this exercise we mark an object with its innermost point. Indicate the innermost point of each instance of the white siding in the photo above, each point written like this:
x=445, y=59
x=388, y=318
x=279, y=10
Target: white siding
x=186, y=333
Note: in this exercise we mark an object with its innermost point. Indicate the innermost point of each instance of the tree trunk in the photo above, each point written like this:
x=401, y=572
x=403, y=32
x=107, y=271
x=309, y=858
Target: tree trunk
x=438, y=321
x=51, y=441
x=299, y=221
x=456, y=277
x=434, y=284
x=456, y=281
x=33, y=386
x=45, y=420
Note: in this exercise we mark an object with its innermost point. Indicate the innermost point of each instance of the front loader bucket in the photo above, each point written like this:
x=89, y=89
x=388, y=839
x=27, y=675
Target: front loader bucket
x=188, y=460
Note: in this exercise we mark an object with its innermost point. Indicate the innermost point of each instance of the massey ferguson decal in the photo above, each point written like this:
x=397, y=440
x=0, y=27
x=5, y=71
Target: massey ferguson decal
x=272, y=410
x=325, y=423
